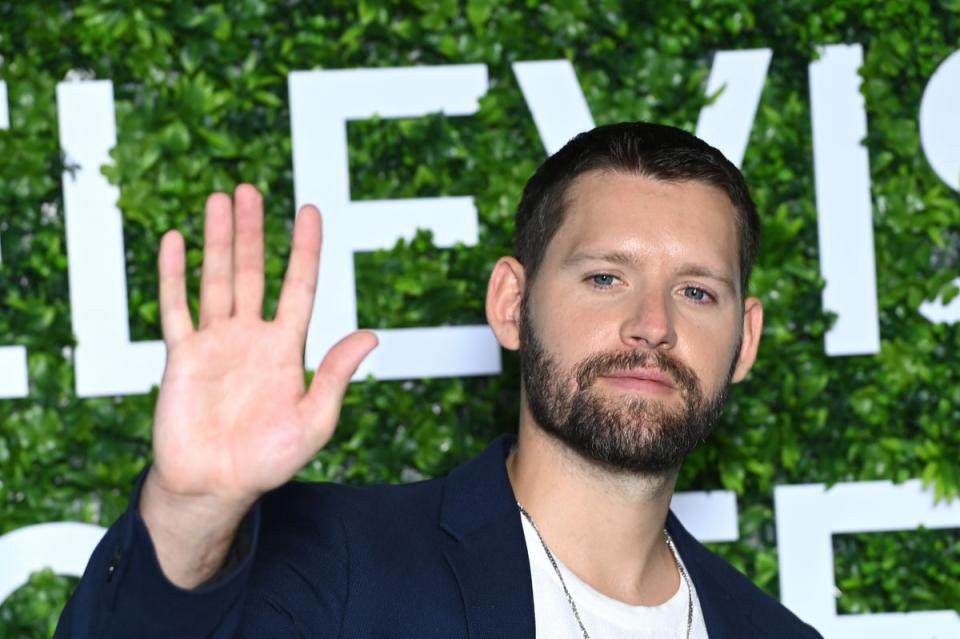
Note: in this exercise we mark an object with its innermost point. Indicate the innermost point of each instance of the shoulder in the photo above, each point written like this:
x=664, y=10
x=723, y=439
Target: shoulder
x=728, y=596
x=351, y=526
x=468, y=497
x=308, y=500
x=301, y=514
x=320, y=546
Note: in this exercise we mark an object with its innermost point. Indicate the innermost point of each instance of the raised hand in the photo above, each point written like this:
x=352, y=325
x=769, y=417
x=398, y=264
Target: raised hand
x=233, y=417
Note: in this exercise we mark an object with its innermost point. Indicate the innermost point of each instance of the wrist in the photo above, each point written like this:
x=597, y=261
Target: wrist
x=161, y=493
x=191, y=534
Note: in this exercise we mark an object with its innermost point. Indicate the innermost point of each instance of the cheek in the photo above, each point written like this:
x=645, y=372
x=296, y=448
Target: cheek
x=572, y=330
x=708, y=349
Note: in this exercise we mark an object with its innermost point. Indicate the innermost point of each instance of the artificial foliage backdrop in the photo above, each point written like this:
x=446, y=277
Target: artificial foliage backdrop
x=201, y=104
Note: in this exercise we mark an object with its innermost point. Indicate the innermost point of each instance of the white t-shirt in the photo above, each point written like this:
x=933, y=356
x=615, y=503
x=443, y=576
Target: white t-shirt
x=602, y=616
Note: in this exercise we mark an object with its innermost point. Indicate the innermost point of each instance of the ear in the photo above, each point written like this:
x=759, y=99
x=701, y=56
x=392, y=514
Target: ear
x=504, y=296
x=752, y=328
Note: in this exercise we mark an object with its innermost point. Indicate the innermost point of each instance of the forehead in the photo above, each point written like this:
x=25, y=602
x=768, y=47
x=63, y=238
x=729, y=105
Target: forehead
x=616, y=211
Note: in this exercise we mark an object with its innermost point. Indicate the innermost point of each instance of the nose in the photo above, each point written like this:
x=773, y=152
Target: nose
x=649, y=322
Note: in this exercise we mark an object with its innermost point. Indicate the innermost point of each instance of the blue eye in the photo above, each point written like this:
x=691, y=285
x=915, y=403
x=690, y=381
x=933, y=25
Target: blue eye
x=603, y=280
x=696, y=294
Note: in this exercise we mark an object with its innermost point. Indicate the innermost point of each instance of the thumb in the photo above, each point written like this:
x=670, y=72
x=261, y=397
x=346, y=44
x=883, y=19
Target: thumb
x=325, y=395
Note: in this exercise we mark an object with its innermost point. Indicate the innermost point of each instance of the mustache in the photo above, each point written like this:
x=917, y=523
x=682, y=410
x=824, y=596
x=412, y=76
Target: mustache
x=602, y=364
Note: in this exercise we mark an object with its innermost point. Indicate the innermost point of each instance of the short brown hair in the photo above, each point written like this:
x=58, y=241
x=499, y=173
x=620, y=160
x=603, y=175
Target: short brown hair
x=649, y=150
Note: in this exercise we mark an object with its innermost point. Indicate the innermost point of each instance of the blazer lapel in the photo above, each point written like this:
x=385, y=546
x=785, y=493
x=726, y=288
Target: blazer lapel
x=485, y=546
x=725, y=617
x=486, y=551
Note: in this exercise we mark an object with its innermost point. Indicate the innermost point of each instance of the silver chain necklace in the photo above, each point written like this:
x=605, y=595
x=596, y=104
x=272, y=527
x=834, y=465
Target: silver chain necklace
x=573, y=604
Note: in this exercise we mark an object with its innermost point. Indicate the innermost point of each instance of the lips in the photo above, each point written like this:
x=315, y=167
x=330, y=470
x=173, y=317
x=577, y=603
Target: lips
x=647, y=382
x=648, y=375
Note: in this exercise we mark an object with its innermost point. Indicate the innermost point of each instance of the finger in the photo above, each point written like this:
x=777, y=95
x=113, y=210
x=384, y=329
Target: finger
x=216, y=276
x=248, y=252
x=300, y=281
x=174, y=312
x=325, y=395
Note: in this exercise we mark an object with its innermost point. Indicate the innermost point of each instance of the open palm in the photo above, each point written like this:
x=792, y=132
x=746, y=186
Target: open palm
x=233, y=417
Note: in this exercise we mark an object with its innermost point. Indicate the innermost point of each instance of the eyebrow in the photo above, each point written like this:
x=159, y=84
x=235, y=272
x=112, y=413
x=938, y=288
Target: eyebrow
x=614, y=257
x=631, y=259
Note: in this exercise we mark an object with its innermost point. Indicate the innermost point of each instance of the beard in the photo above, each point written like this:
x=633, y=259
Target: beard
x=632, y=434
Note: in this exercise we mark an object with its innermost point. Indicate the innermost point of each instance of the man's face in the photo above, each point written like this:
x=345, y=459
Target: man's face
x=630, y=333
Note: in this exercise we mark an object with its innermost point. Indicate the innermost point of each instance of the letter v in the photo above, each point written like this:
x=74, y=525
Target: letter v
x=559, y=110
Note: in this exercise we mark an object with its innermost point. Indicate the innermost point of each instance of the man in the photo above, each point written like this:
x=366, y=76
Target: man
x=627, y=302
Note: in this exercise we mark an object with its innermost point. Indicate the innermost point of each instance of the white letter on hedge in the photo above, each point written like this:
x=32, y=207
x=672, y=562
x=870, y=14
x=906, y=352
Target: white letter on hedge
x=940, y=137
x=559, y=110
x=844, y=212
x=555, y=100
x=709, y=515
x=106, y=361
x=726, y=123
x=321, y=104
x=13, y=359
x=807, y=517
x=939, y=313
x=4, y=113
x=939, y=131
x=63, y=546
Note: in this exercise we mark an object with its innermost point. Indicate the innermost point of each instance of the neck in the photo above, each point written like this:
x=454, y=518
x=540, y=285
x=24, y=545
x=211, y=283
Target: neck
x=605, y=525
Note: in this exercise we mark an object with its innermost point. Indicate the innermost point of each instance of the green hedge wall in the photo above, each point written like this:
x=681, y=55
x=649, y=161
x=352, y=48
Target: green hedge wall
x=202, y=104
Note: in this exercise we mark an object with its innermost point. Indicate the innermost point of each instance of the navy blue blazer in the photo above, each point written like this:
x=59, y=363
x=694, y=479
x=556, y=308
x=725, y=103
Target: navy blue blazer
x=443, y=559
